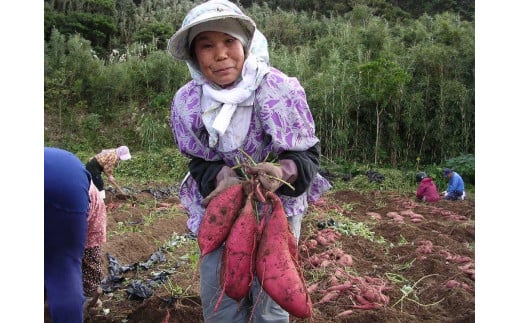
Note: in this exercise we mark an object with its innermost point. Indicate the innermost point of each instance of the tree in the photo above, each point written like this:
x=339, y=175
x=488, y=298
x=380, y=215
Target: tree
x=383, y=82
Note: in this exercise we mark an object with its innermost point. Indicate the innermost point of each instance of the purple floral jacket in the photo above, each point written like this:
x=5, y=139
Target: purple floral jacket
x=280, y=121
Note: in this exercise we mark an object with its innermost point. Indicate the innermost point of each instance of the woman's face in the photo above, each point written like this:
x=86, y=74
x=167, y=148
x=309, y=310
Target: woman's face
x=220, y=57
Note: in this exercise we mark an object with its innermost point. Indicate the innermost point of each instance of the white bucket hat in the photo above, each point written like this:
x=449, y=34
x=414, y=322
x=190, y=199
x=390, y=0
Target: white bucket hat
x=209, y=12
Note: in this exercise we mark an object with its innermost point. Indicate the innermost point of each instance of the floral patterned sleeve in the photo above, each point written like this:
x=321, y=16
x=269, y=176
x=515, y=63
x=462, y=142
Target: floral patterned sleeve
x=285, y=115
x=187, y=126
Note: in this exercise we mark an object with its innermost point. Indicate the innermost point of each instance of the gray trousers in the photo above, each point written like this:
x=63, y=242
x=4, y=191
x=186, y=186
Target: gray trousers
x=258, y=306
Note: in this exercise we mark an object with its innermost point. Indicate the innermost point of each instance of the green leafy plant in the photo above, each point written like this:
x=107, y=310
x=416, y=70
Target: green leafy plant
x=192, y=250
x=348, y=206
x=464, y=165
x=153, y=133
x=166, y=163
x=353, y=228
x=402, y=240
x=124, y=228
x=409, y=293
x=395, y=278
x=175, y=290
x=406, y=265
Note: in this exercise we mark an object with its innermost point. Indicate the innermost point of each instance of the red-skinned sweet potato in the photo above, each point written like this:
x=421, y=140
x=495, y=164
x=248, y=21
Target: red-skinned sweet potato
x=276, y=269
x=218, y=218
x=239, y=254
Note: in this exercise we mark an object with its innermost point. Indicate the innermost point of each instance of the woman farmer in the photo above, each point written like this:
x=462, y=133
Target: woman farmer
x=105, y=162
x=236, y=102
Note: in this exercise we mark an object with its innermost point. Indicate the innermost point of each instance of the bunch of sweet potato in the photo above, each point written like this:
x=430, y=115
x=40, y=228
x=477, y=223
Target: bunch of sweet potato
x=255, y=245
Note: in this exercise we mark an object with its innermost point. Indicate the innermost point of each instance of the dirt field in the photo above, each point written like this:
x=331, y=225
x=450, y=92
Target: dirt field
x=419, y=257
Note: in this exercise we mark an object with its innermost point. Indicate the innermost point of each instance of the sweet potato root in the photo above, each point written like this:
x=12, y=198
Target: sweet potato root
x=239, y=253
x=276, y=270
x=218, y=218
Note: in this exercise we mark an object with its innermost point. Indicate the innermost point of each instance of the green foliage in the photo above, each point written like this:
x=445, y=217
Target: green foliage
x=360, y=229
x=176, y=291
x=383, y=84
x=393, y=9
x=97, y=28
x=382, y=89
x=105, y=7
x=166, y=164
x=394, y=180
x=353, y=176
x=464, y=165
x=153, y=133
x=123, y=229
x=282, y=28
x=91, y=125
x=155, y=31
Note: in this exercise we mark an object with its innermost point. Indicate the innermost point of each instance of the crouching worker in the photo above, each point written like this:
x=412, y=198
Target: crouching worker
x=427, y=190
x=105, y=162
x=455, y=190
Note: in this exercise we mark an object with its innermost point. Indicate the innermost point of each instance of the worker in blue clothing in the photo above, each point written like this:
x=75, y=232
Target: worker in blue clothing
x=455, y=190
x=66, y=205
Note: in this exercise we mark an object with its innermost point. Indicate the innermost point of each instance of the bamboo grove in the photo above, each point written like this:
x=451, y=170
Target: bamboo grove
x=382, y=91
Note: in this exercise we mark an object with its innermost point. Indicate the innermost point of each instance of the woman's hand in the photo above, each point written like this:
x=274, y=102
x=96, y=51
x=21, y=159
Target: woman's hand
x=269, y=175
x=225, y=178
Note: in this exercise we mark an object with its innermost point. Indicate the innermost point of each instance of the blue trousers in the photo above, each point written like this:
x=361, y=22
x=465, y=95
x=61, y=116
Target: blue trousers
x=453, y=196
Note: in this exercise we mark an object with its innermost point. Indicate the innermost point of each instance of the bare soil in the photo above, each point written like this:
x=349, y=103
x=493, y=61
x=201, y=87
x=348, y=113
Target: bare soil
x=425, y=267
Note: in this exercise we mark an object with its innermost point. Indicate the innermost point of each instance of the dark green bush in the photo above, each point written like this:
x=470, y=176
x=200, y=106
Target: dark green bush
x=464, y=165
x=167, y=164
